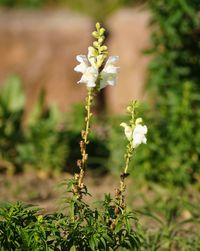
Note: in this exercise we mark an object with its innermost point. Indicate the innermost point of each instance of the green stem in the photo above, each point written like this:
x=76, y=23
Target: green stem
x=82, y=164
x=128, y=157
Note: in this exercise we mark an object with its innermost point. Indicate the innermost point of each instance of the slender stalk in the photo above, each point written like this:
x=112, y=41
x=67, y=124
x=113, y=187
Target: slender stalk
x=82, y=163
x=120, y=205
x=124, y=175
x=128, y=155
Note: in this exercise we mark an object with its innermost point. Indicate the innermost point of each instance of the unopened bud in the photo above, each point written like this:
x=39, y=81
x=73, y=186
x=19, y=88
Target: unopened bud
x=129, y=108
x=100, y=40
x=138, y=121
x=95, y=44
x=98, y=26
x=104, y=48
x=102, y=30
x=95, y=34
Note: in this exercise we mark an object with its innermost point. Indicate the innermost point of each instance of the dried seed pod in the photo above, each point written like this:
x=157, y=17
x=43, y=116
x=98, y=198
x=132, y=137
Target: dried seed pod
x=117, y=192
x=117, y=211
x=83, y=134
x=82, y=144
x=79, y=163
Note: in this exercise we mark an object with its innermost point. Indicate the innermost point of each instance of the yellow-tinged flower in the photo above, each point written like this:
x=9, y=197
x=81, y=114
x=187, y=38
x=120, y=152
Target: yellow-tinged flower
x=127, y=130
x=89, y=67
x=137, y=134
x=109, y=72
x=90, y=73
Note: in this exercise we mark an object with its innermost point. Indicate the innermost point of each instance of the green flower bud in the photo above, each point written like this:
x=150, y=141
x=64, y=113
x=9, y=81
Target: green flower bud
x=129, y=108
x=100, y=40
x=101, y=32
x=104, y=48
x=138, y=121
x=95, y=44
x=95, y=34
x=98, y=26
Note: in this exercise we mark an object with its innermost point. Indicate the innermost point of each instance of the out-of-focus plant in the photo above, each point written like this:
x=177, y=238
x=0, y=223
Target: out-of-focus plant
x=175, y=45
x=12, y=103
x=174, y=116
x=175, y=145
x=45, y=144
x=98, y=10
x=23, y=3
x=173, y=225
x=40, y=143
x=46, y=140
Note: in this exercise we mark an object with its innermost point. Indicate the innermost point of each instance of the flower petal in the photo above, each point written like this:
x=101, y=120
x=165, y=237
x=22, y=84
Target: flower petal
x=112, y=60
x=81, y=68
x=84, y=64
x=139, y=135
x=110, y=69
x=127, y=130
x=89, y=77
x=144, y=129
x=81, y=59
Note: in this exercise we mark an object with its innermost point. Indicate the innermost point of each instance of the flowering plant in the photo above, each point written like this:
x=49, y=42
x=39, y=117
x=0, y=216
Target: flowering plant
x=81, y=228
x=96, y=71
x=136, y=134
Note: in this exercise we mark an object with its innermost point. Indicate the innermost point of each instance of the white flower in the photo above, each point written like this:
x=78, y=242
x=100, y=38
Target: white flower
x=89, y=68
x=137, y=135
x=84, y=64
x=89, y=77
x=127, y=130
x=90, y=73
x=109, y=72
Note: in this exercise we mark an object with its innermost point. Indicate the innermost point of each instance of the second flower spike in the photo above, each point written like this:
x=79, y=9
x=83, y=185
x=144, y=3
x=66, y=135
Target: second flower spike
x=136, y=134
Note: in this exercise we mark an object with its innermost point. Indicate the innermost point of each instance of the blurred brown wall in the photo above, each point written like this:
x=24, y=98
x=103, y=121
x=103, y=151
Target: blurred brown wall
x=41, y=47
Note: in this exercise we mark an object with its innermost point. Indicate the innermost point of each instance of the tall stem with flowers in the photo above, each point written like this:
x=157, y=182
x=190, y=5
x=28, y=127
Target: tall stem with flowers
x=109, y=228
x=98, y=70
x=135, y=133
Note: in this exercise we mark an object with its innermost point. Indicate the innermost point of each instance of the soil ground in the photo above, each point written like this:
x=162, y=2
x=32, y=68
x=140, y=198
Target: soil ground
x=46, y=192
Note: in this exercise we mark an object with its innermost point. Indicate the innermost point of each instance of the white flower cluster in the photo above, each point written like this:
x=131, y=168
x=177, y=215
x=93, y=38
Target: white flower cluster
x=137, y=134
x=89, y=67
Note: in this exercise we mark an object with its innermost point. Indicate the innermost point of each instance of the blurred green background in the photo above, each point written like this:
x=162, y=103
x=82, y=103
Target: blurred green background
x=171, y=111
x=94, y=8
x=165, y=173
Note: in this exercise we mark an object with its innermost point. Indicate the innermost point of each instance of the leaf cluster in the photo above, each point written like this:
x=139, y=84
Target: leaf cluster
x=23, y=227
x=173, y=115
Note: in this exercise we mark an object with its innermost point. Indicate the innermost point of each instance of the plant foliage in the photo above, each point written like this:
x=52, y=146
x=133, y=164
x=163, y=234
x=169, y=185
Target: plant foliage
x=174, y=117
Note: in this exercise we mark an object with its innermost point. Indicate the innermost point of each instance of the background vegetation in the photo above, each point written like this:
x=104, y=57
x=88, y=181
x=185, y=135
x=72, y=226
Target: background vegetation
x=173, y=117
x=96, y=9
x=174, y=150
x=166, y=171
x=46, y=140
